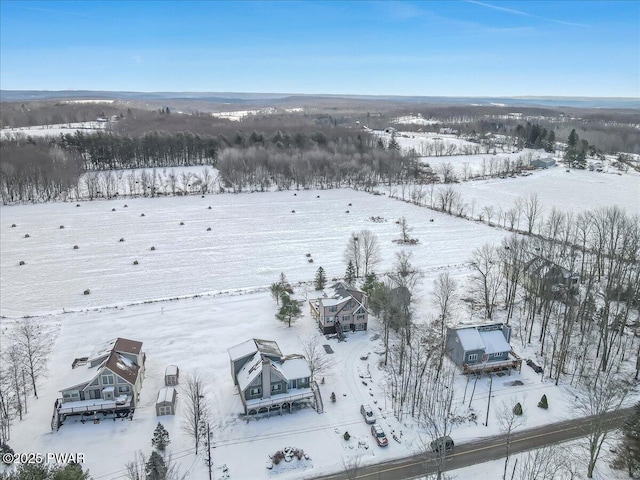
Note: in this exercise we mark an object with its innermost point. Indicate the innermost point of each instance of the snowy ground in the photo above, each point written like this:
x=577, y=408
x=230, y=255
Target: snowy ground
x=254, y=237
x=51, y=130
x=425, y=142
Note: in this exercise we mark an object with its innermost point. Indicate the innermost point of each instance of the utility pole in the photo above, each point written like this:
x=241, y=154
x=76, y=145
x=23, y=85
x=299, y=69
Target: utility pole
x=486, y=422
x=208, y=461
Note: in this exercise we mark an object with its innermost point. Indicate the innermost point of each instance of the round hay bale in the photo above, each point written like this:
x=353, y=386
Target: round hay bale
x=61, y=226
x=202, y=196
x=125, y=205
x=21, y=262
x=209, y=207
x=122, y=239
x=113, y=209
x=311, y=260
x=87, y=291
x=181, y=223
x=347, y=211
x=75, y=247
x=26, y=235
x=13, y=225
x=208, y=229
x=293, y=211
x=317, y=196
x=295, y=194
x=153, y=248
x=77, y=204
x=135, y=262
x=142, y=214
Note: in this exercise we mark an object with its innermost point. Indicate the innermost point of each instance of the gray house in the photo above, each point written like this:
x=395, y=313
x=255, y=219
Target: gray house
x=481, y=348
x=268, y=380
x=341, y=307
x=550, y=280
x=543, y=162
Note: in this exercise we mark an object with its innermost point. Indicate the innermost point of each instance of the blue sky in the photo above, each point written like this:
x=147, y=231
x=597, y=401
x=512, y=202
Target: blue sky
x=439, y=48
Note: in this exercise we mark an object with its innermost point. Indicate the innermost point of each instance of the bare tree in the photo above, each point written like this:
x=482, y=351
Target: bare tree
x=138, y=468
x=197, y=408
x=487, y=276
x=508, y=421
x=34, y=343
x=318, y=360
x=353, y=253
x=532, y=210
x=599, y=393
x=370, y=250
x=405, y=229
x=352, y=466
x=547, y=463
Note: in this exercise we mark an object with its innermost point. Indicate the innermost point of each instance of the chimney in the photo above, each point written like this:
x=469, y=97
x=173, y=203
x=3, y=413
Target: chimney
x=266, y=377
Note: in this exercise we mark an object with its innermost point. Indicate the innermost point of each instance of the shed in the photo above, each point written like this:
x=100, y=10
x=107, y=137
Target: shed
x=171, y=375
x=166, y=403
x=543, y=162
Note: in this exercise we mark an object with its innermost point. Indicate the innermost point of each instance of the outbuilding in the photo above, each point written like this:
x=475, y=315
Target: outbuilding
x=166, y=403
x=171, y=375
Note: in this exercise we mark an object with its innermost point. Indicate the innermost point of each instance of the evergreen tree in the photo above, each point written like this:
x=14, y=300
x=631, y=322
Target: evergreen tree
x=350, y=274
x=290, y=309
x=393, y=143
x=572, y=141
x=321, y=279
x=543, y=402
x=551, y=142
x=370, y=280
x=628, y=457
x=155, y=467
x=517, y=410
x=277, y=290
x=160, y=438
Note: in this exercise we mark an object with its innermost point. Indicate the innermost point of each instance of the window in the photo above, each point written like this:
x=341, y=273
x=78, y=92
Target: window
x=329, y=320
x=346, y=318
x=473, y=357
x=360, y=317
x=95, y=382
x=255, y=392
x=276, y=387
x=333, y=308
x=359, y=326
x=496, y=355
x=107, y=379
x=123, y=389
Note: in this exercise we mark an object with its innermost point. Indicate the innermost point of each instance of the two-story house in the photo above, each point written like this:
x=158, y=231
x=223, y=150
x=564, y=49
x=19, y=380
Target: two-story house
x=550, y=280
x=107, y=379
x=266, y=379
x=481, y=348
x=341, y=307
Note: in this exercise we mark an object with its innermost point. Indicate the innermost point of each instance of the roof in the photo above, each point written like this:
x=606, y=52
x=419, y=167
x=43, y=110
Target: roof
x=118, y=344
x=250, y=371
x=292, y=368
x=79, y=377
x=123, y=367
x=470, y=338
x=494, y=342
x=267, y=347
x=166, y=394
x=171, y=370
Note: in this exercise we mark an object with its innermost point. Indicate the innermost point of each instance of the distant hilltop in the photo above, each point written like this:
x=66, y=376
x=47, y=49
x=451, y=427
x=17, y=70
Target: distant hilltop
x=265, y=98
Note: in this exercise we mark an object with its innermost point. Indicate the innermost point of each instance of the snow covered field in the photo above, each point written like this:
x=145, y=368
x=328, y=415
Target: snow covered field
x=253, y=238
x=51, y=130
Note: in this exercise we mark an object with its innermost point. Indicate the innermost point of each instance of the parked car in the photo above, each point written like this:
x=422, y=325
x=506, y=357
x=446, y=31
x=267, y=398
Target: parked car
x=442, y=444
x=379, y=435
x=367, y=413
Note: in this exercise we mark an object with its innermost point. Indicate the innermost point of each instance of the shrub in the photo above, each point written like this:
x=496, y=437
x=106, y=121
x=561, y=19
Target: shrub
x=125, y=205
x=153, y=248
x=517, y=410
x=333, y=397
x=142, y=214
x=346, y=436
x=543, y=402
x=77, y=204
x=293, y=211
x=181, y=223
x=208, y=229
x=209, y=207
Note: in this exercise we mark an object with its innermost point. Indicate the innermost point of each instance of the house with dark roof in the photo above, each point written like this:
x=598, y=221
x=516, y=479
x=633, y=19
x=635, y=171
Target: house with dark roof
x=340, y=309
x=546, y=162
x=549, y=280
x=268, y=380
x=107, y=380
x=481, y=348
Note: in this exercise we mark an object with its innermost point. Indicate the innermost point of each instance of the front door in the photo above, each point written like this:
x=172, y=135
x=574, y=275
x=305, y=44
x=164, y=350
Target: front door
x=94, y=394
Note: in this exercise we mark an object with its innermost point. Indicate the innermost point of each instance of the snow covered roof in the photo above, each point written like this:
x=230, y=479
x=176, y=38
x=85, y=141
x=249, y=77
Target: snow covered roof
x=470, y=338
x=115, y=344
x=123, y=367
x=268, y=347
x=494, y=342
x=293, y=367
x=250, y=371
x=79, y=377
x=166, y=395
x=171, y=370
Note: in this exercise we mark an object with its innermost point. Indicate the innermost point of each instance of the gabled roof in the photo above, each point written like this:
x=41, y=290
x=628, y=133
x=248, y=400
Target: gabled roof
x=122, y=345
x=487, y=338
x=166, y=395
x=292, y=367
x=123, y=367
x=250, y=371
x=494, y=342
x=267, y=347
x=470, y=338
